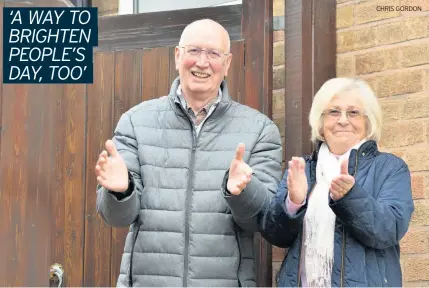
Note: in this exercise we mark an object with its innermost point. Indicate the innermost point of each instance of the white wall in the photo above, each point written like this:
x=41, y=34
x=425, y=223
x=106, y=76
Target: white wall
x=145, y=6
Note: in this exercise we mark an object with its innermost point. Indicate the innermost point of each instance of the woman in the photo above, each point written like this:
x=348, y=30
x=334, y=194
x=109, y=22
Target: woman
x=343, y=210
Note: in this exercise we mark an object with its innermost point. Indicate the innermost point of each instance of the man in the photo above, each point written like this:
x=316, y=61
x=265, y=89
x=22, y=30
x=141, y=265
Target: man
x=178, y=173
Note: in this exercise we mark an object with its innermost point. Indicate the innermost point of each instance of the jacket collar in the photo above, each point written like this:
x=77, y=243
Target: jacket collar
x=221, y=108
x=368, y=149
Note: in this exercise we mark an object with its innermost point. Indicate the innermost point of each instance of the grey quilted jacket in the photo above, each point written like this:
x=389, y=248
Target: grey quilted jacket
x=185, y=228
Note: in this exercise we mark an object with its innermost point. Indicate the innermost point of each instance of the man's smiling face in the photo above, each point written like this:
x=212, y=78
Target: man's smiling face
x=201, y=60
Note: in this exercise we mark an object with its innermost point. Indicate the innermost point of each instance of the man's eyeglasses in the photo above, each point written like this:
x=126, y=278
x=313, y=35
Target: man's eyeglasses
x=350, y=114
x=212, y=54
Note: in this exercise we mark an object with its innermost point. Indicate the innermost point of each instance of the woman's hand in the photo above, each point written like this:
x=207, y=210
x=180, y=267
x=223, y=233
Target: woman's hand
x=297, y=180
x=342, y=184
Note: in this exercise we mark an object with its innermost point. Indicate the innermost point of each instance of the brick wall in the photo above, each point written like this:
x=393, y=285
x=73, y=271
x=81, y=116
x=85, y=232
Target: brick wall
x=391, y=51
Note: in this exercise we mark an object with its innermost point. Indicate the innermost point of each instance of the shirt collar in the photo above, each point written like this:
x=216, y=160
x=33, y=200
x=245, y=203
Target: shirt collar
x=185, y=104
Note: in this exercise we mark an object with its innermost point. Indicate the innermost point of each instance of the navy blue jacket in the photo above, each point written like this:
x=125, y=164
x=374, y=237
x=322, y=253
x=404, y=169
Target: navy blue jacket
x=371, y=220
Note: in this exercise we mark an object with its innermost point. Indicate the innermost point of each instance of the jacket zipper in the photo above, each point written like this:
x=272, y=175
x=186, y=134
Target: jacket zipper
x=188, y=202
x=188, y=197
x=188, y=212
x=343, y=244
x=239, y=253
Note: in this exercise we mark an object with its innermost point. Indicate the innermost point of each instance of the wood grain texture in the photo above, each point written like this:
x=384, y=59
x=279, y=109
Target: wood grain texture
x=128, y=91
x=42, y=133
x=3, y=249
x=73, y=181
x=161, y=29
x=325, y=42
x=42, y=182
x=172, y=66
x=155, y=73
x=235, y=77
x=298, y=76
x=98, y=235
x=14, y=185
x=257, y=15
x=257, y=32
x=41, y=172
x=310, y=51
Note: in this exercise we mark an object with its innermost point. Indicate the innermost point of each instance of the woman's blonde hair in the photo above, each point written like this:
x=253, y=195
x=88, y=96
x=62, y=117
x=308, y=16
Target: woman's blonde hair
x=336, y=86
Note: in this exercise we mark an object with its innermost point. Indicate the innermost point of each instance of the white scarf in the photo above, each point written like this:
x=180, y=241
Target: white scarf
x=319, y=220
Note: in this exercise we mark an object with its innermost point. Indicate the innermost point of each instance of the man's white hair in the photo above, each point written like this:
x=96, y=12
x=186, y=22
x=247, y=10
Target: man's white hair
x=182, y=38
x=335, y=86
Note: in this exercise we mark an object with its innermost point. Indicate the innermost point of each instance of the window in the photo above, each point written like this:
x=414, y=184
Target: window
x=146, y=6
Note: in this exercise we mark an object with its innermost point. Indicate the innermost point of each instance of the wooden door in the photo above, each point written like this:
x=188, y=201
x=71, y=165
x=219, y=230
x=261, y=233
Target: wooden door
x=51, y=136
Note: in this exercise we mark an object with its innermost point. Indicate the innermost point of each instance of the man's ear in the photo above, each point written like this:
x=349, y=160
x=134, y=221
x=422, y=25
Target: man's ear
x=228, y=63
x=177, y=57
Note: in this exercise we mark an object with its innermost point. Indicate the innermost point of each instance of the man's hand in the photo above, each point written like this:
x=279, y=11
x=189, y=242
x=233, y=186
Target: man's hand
x=239, y=172
x=342, y=184
x=112, y=173
x=297, y=180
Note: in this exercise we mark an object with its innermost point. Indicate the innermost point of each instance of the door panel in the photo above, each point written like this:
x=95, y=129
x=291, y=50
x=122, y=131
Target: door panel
x=98, y=240
x=51, y=136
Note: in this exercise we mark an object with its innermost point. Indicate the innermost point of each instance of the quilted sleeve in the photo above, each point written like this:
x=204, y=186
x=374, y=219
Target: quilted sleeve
x=277, y=226
x=379, y=222
x=115, y=209
x=265, y=160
